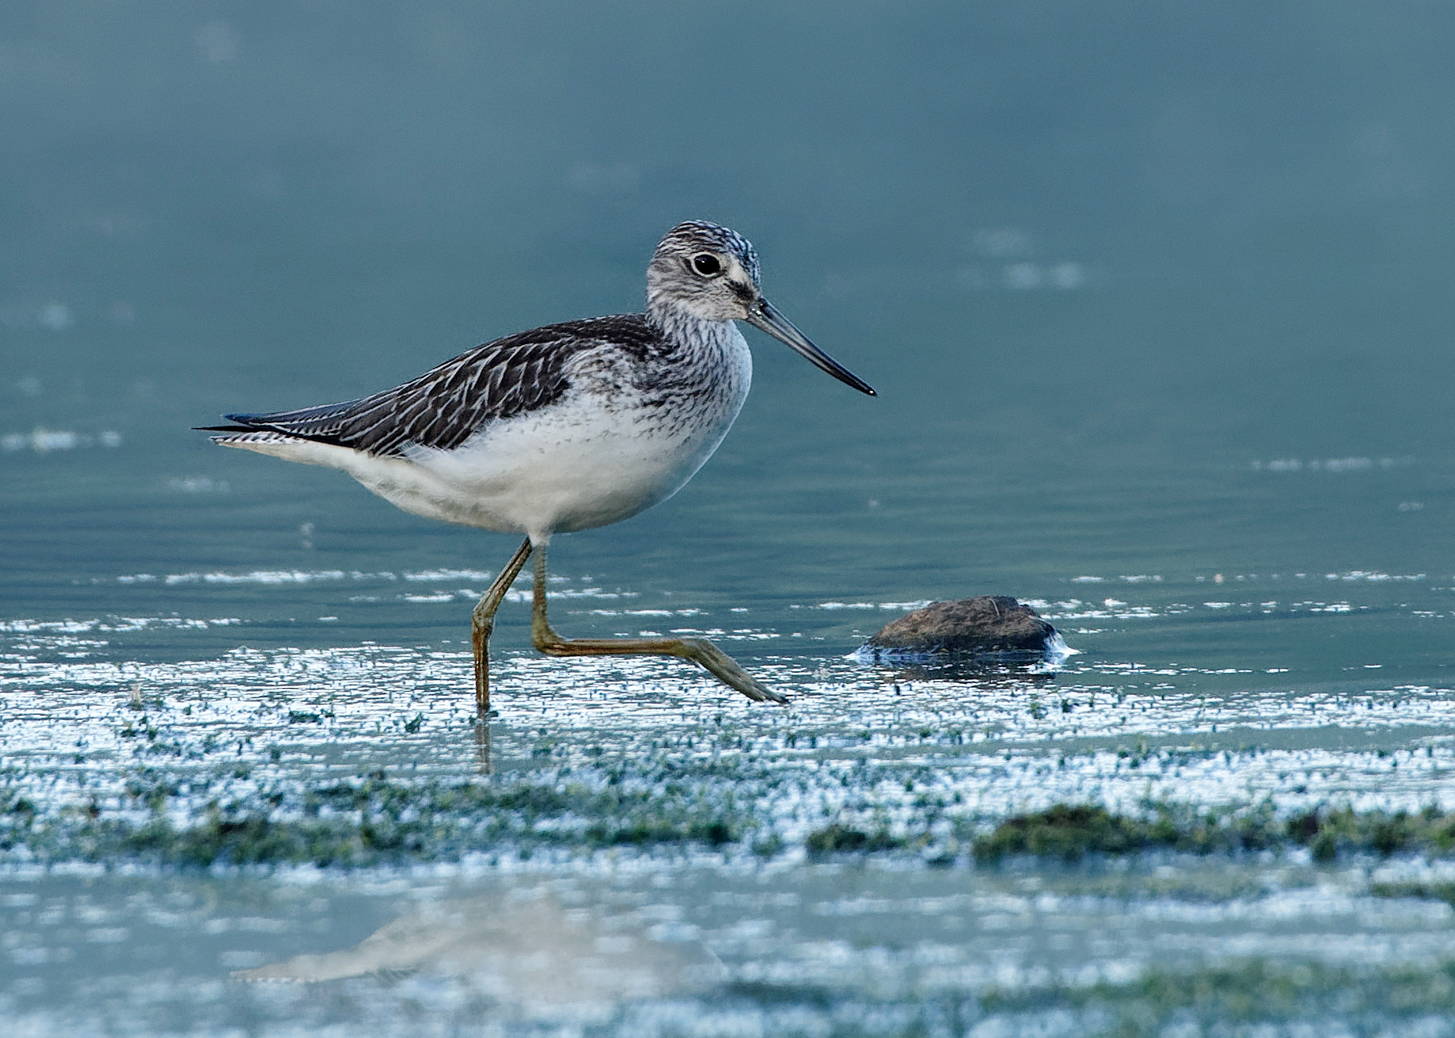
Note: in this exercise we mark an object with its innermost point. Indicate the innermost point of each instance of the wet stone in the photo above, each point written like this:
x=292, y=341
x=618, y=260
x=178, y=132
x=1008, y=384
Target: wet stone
x=982, y=624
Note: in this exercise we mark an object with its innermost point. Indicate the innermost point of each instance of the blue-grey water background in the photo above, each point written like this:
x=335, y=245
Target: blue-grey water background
x=1157, y=301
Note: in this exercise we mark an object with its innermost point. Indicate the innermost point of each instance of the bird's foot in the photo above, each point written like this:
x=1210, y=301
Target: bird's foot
x=726, y=669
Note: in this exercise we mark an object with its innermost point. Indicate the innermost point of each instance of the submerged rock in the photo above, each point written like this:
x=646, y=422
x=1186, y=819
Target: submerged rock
x=983, y=624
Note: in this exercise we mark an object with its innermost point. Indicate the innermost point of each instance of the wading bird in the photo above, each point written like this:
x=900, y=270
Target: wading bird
x=563, y=428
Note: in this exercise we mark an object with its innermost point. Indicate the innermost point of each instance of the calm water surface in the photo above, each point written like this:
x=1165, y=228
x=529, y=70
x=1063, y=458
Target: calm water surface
x=1157, y=303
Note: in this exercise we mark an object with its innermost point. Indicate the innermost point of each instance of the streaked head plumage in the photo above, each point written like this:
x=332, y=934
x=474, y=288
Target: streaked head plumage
x=704, y=270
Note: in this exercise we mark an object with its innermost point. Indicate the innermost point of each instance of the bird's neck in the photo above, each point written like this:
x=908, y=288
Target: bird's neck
x=681, y=328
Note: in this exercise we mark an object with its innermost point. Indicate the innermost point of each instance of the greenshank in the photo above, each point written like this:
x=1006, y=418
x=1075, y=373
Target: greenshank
x=563, y=428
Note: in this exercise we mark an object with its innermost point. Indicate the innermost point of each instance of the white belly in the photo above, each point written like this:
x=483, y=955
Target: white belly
x=585, y=461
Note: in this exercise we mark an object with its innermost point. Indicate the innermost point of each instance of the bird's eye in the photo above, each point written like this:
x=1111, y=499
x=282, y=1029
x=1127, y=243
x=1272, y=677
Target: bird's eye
x=706, y=264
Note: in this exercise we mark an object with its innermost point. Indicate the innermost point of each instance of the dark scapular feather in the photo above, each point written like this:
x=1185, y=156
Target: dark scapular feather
x=446, y=405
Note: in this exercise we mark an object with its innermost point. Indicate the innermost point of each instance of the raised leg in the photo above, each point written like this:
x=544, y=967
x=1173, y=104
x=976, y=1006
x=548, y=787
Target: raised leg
x=699, y=650
x=482, y=622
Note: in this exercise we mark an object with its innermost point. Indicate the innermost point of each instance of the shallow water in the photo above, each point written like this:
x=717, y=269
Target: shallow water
x=1155, y=304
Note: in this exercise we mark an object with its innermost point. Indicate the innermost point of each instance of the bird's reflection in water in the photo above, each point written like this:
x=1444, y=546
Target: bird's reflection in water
x=482, y=747
x=528, y=954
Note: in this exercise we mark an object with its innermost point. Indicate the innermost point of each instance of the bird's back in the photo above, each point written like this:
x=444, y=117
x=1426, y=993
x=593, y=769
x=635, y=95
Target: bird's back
x=448, y=404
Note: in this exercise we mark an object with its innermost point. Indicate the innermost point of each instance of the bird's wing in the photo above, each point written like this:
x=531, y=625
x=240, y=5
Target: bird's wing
x=443, y=407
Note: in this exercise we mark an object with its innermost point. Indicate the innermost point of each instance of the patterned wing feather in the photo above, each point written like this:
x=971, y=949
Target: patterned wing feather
x=445, y=406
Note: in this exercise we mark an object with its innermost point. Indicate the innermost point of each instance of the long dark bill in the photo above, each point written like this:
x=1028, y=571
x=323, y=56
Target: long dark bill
x=763, y=316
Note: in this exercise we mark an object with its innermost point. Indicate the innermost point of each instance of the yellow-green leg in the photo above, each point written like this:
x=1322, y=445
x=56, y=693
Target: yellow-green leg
x=699, y=650
x=482, y=622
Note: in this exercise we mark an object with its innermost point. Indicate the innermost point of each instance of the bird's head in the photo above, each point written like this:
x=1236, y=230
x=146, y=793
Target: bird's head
x=709, y=273
x=704, y=271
